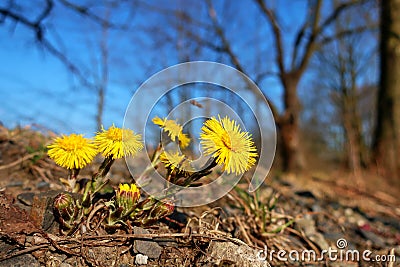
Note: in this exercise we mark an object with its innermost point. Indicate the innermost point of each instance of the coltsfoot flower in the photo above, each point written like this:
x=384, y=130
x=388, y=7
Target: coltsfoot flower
x=176, y=161
x=127, y=197
x=174, y=130
x=117, y=143
x=228, y=144
x=184, y=140
x=72, y=151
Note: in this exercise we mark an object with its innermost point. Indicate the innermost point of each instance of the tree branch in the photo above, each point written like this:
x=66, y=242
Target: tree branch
x=235, y=60
x=38, y=27
x=277, y=34
x=318, y=30
x=35, y=25
x=337, y=12
x=202, y=41
x=68, y=64
x=325, y=40
x=46, y=11
x=87, y=13
x=297, y=42
x=225, y=43
x=310, y=45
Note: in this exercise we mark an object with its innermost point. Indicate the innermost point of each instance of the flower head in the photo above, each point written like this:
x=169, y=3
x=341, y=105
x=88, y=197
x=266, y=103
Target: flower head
x=184, y=140
x=73, y=151
x=176, y=161
x=228, y=144
x=127, y=196
x=174, y=130
x=117, y=143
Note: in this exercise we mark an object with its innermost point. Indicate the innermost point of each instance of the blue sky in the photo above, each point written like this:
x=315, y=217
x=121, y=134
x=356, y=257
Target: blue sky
x=37, y=89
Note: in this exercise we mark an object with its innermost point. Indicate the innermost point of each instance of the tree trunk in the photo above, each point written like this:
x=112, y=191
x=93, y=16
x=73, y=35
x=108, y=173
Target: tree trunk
x=352, y=129
x=387, y=135
x=288, y=126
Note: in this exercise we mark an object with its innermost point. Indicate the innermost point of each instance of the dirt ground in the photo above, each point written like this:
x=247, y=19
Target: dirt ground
x=305, y=212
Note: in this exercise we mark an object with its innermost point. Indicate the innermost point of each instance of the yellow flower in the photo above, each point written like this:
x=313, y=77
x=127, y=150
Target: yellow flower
x=184, y=140
x=176, y=161
x=127, y=196
x=73, y=151
x=174, y=130
x=232, y=148
x=117, y=143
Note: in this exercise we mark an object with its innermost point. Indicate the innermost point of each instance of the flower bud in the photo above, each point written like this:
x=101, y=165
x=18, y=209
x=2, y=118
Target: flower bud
x=163, y=209
x=159, y=211
x=65, y=209
x=127, y=197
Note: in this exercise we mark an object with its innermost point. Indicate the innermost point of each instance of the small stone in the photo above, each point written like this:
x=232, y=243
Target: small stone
x=222, y=253
x=376, y=240
x=15, y=184
x=333, y=236
x=307, y=225
x=42, y=209
x=141, y=259
x=21, y=260
x=335, y=205
x=43, y=185
x=320, y=240
x=316, y=208
x=348, y=212
x=149, y=248
x=26, y=198
x=336, y=213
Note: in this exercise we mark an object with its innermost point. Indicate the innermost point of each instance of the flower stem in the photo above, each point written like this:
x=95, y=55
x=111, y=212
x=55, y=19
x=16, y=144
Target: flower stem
x=155, y=159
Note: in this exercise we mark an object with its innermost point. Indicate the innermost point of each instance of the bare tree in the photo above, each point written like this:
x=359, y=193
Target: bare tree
x=291, y=63
x=342, y=67
x=291, y=59
x=387, y=136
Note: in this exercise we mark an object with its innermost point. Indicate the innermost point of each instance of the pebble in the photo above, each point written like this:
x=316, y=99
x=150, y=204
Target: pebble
x=226, y=253
x=316, y=208
x=149, y=248
x=354, y=217
x=335, y=205
x=43, y=185
x=15, y=184
x=26, y=198
x=376, y=240
x=388, y=221
x=141, y=259
x=348, y=212
x=42, y=209
x=307, y=225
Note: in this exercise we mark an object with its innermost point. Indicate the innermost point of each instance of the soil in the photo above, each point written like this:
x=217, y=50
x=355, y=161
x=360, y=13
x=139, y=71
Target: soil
x=314, y=211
